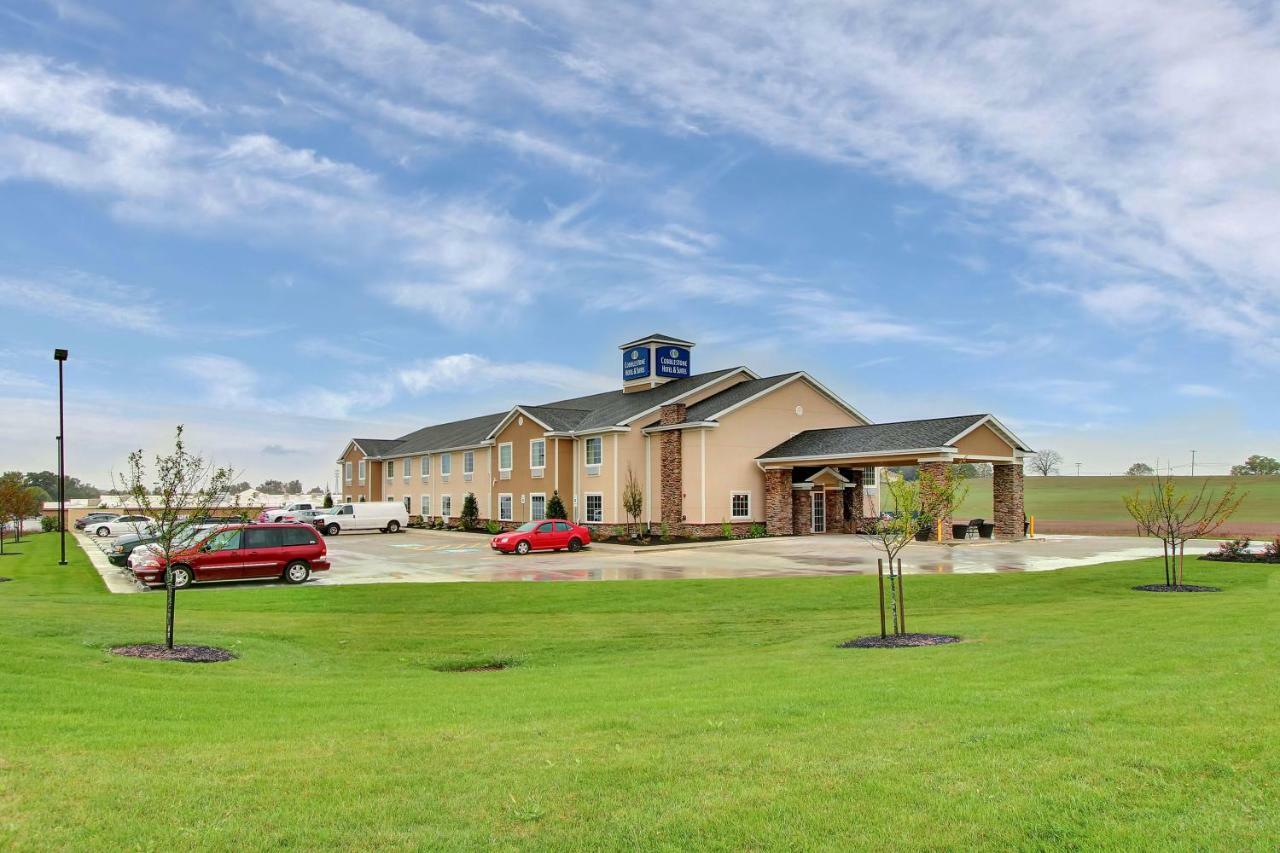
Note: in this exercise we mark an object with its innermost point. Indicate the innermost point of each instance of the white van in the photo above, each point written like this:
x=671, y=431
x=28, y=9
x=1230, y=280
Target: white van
x=387, y=516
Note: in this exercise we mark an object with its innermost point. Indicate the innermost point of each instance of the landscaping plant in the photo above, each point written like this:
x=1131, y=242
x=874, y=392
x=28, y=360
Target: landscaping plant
x=182, y=488
x=1175, y=517
x=555, y=506
x=632, y=500
x=470, y=517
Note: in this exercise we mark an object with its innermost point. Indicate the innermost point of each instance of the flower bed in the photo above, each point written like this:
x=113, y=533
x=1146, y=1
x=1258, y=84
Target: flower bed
x=1238, y=551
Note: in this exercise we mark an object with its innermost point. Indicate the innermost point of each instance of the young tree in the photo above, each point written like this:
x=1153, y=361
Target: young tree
x=1175, y=518
x=555, y=507
x=272, y=487
x=328, y=499
x=1045, y=462
x=891, y=533
x=182, y=488
x=11, y=502
x=632, y=500
x=470, y=517
x=1139, y=469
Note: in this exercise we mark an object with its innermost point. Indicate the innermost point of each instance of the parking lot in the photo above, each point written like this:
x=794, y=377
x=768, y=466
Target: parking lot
x=427, y=556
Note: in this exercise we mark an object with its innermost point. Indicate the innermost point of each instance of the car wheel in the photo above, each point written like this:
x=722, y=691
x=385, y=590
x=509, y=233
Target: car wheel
x=522, y=548
x=393, y=527
x=332, y=530
x=104, y=531
x=575, y=545
x=181, y=577
x=296, y=572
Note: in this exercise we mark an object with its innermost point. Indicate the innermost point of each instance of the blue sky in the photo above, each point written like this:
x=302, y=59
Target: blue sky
x=285, y=223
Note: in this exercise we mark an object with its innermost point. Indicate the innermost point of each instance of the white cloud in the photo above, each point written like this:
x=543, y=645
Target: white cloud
x=123, y=307
x=1197, y=390
x=472, y=372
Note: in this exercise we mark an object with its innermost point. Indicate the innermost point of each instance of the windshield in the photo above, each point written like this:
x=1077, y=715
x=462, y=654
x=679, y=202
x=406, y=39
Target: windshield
x=527, y=527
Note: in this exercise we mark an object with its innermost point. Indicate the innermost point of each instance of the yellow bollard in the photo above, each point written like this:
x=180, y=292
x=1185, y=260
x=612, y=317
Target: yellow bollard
x=939, y=530
x=1032, y=530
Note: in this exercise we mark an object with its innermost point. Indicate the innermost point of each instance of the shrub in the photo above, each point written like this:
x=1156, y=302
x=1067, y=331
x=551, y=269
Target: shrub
x=493, y=527
x=555, y=506
x=470, y=517
x=1236, y=550
x=48, y=523
x=619, y=533
x=664, y=532
x=726, y=530
x=1271, y=553
x=757, y=531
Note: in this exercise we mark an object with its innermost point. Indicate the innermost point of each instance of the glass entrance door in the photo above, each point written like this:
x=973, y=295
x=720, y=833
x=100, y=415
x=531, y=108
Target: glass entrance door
x=819, y=512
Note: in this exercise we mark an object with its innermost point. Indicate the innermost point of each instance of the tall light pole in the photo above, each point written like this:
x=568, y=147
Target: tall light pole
x=60, y=356
x=1078, y=464
x=1193, y=463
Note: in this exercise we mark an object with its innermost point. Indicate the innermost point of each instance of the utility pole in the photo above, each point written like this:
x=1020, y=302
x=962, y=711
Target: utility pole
x=60, y=356
x=1078, y=464
x=1193, y=463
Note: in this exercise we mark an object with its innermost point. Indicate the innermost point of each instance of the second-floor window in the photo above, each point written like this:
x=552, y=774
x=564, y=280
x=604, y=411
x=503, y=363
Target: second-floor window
x=346, y=471
x=504, y=457
x=408, y=468
x=538, y=453
x=446, y=464
x=469, y=462
x=426, y=467
x=595, y=450
x=362, y=469
x=391, y=469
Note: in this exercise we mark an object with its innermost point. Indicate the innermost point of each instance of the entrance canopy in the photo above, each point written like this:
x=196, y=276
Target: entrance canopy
x=967, y=438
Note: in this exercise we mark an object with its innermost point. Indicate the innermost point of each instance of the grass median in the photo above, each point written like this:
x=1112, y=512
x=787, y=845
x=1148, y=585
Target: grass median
x=648, y=714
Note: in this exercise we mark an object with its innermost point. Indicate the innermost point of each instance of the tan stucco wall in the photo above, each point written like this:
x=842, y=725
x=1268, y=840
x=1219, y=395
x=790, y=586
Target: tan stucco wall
x=984, y=441
x=749, y=431
x=556, y=475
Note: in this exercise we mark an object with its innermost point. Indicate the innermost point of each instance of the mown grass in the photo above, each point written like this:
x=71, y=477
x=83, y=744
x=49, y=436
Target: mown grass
x=644, y=715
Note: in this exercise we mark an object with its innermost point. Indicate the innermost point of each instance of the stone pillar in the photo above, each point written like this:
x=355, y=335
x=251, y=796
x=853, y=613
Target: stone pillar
x=934, y=473
x=859, y=501
x=802, y=510
x=777, y=502
x=671, y=476
x=1006, y=487
x=835, y=510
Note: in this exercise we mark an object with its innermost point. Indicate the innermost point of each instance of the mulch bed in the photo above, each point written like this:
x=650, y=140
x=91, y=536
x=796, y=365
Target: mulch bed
x=487, y=665
x=900, y=641
x=1185, y=587
x=184, y=654
x=5, y=580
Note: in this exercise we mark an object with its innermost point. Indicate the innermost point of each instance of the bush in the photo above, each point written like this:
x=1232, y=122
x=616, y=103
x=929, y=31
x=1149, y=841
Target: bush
x=493, y=527
x=664, y=532
x=726, y=530
x=758, y=531
x=1271, y=553
x=48, y=523
x=470, y=517
x=1236, y=550
x=555, y=507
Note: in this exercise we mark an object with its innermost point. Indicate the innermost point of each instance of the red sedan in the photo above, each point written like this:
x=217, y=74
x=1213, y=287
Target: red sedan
x=290, y=552
x=552, y=534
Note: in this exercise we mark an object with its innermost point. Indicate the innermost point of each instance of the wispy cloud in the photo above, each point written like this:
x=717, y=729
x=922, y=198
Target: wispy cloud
x=1203, y=391
x=473, y=372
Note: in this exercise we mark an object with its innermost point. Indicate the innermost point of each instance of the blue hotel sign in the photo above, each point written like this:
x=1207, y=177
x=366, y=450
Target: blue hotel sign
x=635, y=364
x=673, y=362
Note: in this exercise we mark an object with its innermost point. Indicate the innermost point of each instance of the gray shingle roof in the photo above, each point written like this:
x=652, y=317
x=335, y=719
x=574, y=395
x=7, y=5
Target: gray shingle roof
x=593, y=411
x=658, y=337
x=717, y=403
x=873, y=438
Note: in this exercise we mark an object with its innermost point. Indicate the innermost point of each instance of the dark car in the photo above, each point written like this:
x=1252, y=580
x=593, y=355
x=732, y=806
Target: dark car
x=93, y=517
x=125, y=545
x=290, y=552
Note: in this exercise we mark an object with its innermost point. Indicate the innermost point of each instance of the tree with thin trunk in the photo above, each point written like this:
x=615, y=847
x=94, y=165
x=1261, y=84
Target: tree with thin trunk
x=182, y=489
x=11, y=503
x=891, y=533
x=1175, y=517
x=632, y=500
x=1045, y=462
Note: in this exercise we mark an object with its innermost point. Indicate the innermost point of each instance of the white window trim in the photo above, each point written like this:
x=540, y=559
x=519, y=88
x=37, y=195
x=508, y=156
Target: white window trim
x=390, y=465
x=542, y=495
x=593, y=468
x=511, y=506
x=468, y=462
x=443, y=500
x=364, y=472
x=426, y=505
x=737, y=493
x=586, y=507
x=510, y=462
x=346, y=472
x=408, y=468
x=446, y=466
x=543, y=442
x=424, y=467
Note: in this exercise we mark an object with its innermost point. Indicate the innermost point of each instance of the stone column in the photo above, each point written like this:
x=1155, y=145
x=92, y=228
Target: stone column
x=802, y=511
x=671, y=465
x=1006, y=486
x=777, y=502
x=835, y=510
x=859, y=501
x=934, y=473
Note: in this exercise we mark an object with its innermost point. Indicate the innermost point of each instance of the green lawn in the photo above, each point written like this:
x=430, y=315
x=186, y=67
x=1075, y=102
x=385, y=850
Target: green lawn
x=1100, y=498
x=646, y=715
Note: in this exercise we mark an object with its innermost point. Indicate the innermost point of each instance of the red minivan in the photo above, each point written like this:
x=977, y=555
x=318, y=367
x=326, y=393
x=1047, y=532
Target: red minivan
x=290, y=552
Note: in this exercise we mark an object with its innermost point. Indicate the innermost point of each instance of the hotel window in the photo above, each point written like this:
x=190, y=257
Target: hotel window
x=595, y=508
x=868, y=476
x=346, y=471
x=426, y=467
x=468, y=464
x=504, y=456
x=595, y=450
x=408, y=469
x=391, y=470
x=505, y=508
x=362, y=470
x=426, y=505
x=408, y=504
x=538, y=453
x=446, y=506
x=537, y=506
x=446, y=465
x=740, y=505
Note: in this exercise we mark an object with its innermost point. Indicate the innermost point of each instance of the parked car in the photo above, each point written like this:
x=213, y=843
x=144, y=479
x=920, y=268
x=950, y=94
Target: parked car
x=82, y=523
x=387, y=516
x=290, y=552
x=126, y=549
x=219, y=519
x=305, y=516
x=121, y=525
x=553, y=534
x=286, y=512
